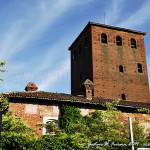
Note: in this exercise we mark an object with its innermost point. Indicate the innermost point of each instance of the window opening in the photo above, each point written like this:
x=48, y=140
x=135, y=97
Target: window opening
x=86, y=42
x=80, y=75
x=80, y=49
x=92, y=92
x=140, y=68
x=118, y=41
x=123, y=96
x=103, y=38
x=120, y=68
x=74, y=56
x=50, y=125
x=133, y=43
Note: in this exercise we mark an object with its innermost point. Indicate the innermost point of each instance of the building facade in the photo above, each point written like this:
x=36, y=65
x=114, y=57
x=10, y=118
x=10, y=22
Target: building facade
x=113, y=59
x=107, y=63
x=39, y=107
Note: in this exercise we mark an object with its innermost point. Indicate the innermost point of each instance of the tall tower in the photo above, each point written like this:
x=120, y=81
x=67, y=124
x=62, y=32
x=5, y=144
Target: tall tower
x=113, y=59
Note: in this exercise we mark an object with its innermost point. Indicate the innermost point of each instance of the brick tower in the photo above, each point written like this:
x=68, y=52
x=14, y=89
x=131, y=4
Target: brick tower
x=113, y=59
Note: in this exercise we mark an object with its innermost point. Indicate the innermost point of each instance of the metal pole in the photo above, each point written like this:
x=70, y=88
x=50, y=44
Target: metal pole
x=131, y=133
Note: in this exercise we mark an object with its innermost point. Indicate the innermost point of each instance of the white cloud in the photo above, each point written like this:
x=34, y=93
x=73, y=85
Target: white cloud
x=140, y=17
x=55, y=75
x=113, y=12
x=24, y=31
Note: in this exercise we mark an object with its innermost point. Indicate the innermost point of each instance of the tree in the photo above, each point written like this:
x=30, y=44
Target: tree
x=2, y=63
x=16, y=135
x=101, y=130
x=3, y=103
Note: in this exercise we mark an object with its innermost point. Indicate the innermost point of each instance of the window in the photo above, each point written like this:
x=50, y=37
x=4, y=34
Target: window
x=86, y=42
x=118, y=41
x=80, y=48
x=92, y=92
x=74, y=56
x=133, y=43
x=51, y=126
x=120, y=68
x=103, y=38
x=139, y=68
x=123, y=96
x=80, y=75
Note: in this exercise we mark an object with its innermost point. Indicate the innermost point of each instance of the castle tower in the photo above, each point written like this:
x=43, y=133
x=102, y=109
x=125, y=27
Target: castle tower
x=113, y=59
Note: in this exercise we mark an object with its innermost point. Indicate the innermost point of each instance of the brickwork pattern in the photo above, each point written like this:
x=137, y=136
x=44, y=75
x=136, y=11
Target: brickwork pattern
x=81, y=67
x=101, y=64
x=110, y=83
x=32, y=119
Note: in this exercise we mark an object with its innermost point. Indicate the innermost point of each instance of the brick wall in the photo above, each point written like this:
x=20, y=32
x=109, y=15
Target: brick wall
x=100, y=63
x=33, y=113
x=81, y=67
x=109, y=82
x=144, y=119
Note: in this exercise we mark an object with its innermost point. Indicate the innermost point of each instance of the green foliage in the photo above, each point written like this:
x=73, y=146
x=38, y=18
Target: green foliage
x=101, y=127
x=60, y=141
x=16, y=135
x=2, y=63
x=143, y=110
x=69, y=115
x=78, y=132
x=3, y=103
x=50, y=126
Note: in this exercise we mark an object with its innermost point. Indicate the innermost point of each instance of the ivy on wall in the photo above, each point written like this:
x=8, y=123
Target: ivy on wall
x=69, y=115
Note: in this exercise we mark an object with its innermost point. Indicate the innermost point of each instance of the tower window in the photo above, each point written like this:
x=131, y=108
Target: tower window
x=80, y=49
x=133, y=43
x=118, y=41
x=103, y=38
x=80, y=75
x=139, y=68
x=120, y=68
x=74, y=56
x=123, y=97
x=86, y=42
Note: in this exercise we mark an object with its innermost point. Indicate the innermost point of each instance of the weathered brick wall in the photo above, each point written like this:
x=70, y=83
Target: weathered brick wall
x=144, y=119
x=109, y=82
x=81, y=67
x=34, y=113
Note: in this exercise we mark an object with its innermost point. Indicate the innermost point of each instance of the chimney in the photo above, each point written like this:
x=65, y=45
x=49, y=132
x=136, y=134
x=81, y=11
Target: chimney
x=31, y=87
x=89, y=85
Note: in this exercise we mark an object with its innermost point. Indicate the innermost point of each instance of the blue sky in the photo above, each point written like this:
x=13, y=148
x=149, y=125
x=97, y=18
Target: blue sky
x=35, y=36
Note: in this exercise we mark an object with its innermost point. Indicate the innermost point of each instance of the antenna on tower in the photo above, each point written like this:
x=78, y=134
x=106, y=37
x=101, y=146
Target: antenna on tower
x=104, y=17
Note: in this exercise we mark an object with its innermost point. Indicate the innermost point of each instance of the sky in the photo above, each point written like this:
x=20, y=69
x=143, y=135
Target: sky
x=35, y=36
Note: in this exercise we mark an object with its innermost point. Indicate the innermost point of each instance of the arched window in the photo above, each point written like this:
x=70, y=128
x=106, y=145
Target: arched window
x=118, y=41
x=123, y=97
x=133, y=43
x=50, y=125
x=140, y=70
x=120, y=68
x=103, y=38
